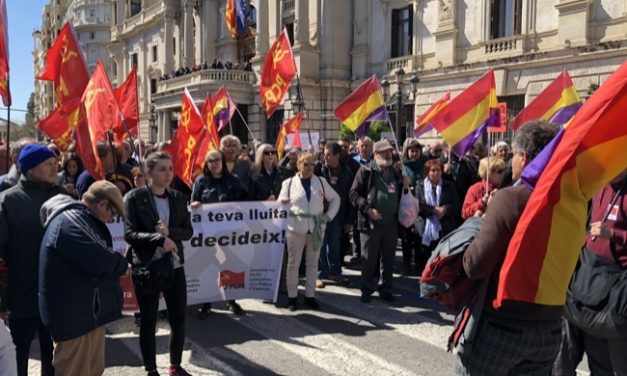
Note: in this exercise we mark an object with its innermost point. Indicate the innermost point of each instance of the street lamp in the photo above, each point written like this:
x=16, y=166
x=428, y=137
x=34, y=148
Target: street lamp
x=297, y=100
x=152, y=123
x=396, y=100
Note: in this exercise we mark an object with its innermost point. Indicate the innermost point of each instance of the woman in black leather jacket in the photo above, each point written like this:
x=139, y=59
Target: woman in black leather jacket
x=217, y=184
x=266, y=179
x=156, y=224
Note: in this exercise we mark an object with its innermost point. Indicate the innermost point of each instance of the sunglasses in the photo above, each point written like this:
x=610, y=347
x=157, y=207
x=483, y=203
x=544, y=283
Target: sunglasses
x=269, y=152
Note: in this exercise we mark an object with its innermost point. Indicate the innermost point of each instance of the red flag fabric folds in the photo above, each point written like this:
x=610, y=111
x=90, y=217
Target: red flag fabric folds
x=101, y=111
x=5, y=90
x=126, y=96
x=187, y=140
x=277, y=73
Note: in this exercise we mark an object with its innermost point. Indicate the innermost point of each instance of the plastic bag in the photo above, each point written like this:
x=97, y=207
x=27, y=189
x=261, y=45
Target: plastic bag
x=407, y=209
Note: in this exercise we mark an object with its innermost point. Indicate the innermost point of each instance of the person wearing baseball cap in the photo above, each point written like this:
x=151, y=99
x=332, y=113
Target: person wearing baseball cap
x=78, y=276
x=376, y=193
x=20, y=240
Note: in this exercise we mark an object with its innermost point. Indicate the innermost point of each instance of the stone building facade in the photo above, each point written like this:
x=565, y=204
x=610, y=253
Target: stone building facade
x=447, y=44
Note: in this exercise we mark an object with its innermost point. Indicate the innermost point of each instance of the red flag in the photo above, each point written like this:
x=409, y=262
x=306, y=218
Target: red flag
x=277, y=73
x=230, y=16
x=101, y=111
x=502, y=128
x=232, y=279
x=207, y=115
x=187, y=140
x=66, y=68
x=5, y=90
x=292, y=126
x=126, y=95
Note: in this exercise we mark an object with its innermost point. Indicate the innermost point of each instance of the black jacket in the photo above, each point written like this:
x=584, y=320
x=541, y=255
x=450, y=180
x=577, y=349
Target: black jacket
x=362, y=194
x=208, y=190
x=141, y=219
x=448, y=199
x=79, y=289
x=263, y=185
x=342, y=186
x=20, y=239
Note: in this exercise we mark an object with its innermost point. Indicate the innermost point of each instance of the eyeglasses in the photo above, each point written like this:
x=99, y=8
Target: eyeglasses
x=307, y=164
x=437, y=150
x=500, y=171
x=269, y=152
x=438, y=170
x=213, y=160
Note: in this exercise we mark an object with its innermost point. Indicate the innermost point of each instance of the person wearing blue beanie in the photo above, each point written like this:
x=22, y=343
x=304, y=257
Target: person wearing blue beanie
x=20, y=243
x=32, y=157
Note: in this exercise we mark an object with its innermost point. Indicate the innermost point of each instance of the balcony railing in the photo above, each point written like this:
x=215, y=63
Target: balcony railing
x=504, y=45
x=409, y=63
x=207, y=76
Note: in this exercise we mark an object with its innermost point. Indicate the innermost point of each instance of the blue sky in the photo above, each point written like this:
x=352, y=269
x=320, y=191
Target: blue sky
x=24, y=17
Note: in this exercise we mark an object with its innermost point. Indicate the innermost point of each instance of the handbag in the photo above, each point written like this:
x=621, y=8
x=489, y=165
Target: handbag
x=157, y=275
x=597, y=297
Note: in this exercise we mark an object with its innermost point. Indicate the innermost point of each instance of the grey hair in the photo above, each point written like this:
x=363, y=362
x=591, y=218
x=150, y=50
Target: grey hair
x=533, y=136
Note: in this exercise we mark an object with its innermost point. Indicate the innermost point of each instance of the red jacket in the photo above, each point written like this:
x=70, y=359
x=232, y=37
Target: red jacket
x=616, y=247
x=474, y=199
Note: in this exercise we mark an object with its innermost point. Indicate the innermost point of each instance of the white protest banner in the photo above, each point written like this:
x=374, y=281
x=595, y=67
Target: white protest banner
x=129, y=302
x=236, y=251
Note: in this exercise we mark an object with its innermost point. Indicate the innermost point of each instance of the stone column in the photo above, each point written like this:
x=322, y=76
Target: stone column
x=301, y=23
x=210, y=22
x=166, y=42
x=188, y=34
x=573, y=22
x=142, y=76
x=262, y=43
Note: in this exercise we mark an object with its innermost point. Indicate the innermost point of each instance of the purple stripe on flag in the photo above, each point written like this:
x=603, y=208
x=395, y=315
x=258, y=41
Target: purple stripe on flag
x=564, y=114
x=420, y=132
x=531, y=173
x=462, y=147
x=362, y=131
x=380, y=113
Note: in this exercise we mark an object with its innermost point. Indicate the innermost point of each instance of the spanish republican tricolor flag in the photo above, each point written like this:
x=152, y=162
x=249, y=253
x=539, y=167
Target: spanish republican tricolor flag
x=5, y=91
x=223, y=108
x=465, y=118
x=291, y=126
x=557, y=103
x=363, y=105
x=544, y=249
x=422, y=123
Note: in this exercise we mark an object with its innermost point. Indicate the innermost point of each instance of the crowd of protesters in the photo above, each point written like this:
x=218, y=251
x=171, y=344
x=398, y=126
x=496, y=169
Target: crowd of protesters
x=344, y=208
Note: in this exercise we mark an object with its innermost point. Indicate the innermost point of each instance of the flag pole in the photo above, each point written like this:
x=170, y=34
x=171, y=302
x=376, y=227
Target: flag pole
x=8, y=152
x=302, y=100
x=245, y=123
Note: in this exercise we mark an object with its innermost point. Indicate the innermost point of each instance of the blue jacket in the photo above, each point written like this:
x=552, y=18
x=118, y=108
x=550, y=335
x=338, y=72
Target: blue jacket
x=78, y=270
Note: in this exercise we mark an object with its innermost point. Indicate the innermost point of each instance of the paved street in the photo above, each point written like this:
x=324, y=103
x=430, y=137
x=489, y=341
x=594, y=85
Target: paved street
x=346, y=337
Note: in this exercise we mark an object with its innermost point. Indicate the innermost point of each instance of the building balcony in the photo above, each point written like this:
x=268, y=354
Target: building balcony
x=207, y=77
x=146, y=15
x=505, y=47
x=409, y=63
